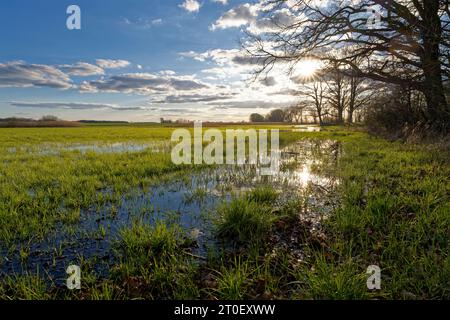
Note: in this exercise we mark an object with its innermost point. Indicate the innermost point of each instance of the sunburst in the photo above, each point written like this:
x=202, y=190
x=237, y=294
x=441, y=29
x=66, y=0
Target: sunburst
x=308, y=68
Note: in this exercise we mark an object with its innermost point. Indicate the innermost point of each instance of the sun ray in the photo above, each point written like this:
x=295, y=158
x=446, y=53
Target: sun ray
x=308, y=68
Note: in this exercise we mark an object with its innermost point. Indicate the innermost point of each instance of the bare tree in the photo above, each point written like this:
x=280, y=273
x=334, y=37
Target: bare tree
x=312, y=95
x=409, y=46
x=338, y=89
x=361, y=92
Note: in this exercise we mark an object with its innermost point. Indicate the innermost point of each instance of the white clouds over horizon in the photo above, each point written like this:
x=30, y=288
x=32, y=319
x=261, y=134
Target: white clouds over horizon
x=71, y=105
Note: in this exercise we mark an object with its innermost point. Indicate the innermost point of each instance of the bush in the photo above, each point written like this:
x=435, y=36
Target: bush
x=399, y=114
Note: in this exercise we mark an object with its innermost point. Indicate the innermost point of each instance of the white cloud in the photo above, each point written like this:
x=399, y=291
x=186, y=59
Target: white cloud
x=73, y=106
x=195, y=98
x=278, y=20
x=143, y=23
x=239, y=16
x=143, y=83
x=82, y=69
x=251, y=16
x=236, y=69
x=190, y=5
x=224, y=57
x=157, y=22
x=223, y=2
x=21, y=74
x=112, y=64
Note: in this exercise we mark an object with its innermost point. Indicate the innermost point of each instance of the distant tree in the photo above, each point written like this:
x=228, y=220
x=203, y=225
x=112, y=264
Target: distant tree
x=362, y=91
x=296, y=113
x=314, y=93
x=338, y=89
x=276, y=115
x=49, y=118
x=163, y=121
x=256, y=117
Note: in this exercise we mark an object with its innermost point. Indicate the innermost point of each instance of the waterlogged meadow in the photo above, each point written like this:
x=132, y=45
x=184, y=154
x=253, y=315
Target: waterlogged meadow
x=110, y=200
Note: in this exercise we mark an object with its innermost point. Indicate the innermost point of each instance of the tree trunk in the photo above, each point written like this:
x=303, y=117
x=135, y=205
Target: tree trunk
x=350, y=115
x=437, y=112
x=319, y=115
x=340, y=114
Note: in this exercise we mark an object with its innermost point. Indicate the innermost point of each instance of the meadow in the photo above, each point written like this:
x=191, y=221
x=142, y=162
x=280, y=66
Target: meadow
x=110, y=200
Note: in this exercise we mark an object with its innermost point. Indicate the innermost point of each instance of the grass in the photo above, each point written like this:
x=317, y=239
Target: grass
x=244, y=221
x=155, y=263
x=25, y=287
x=263, y=195
x=141, y=241
x=396, y=213
x=344, y=281
x=232, y=280
x=393, y=211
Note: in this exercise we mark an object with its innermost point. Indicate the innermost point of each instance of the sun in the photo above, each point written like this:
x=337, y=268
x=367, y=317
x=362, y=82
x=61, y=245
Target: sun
x=308, y=68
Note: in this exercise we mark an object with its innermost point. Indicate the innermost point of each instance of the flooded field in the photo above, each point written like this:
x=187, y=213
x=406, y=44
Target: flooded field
x=117, y=147
x=189, y=201
x=111, y=201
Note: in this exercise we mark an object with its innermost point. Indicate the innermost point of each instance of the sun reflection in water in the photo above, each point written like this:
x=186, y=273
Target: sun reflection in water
x=305, y=176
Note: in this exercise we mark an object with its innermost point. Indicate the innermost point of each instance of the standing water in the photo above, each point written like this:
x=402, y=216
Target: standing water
x=307, y=171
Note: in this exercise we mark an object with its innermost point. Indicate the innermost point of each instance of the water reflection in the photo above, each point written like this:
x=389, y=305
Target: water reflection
x=307, y=171
x=99, y=148
x=306, y=128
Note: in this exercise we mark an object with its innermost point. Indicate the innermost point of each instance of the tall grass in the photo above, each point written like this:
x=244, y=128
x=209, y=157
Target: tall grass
x=244, y=221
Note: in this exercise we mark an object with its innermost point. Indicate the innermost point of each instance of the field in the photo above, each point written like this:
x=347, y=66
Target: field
x=109, y=200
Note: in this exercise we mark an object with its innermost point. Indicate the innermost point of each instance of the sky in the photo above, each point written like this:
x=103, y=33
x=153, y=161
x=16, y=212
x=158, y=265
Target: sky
x=134, y=60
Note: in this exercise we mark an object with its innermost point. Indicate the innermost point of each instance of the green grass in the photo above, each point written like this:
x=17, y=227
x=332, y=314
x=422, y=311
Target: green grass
x=143, y=240
x=154, y=257
x=244, y=221
x=263, y=195
x=233, y=280
x=25, y=287
x=393, y=211
x=396, y=213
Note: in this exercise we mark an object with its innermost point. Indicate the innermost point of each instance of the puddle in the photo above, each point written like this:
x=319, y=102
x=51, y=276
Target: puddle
x=306, y=128
x=118, y=147
x=190, y=202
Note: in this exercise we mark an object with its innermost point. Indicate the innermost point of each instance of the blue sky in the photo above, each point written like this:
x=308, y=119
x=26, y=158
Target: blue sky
x=135, y=60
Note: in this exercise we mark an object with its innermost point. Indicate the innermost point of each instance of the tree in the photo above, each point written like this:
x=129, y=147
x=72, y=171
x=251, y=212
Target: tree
x=361, y=92
x=276, y=115
x=49, y=118
x=256, y=117
x=314, y=90
x=338, y=89
x=296, y=112
x=409, y=47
